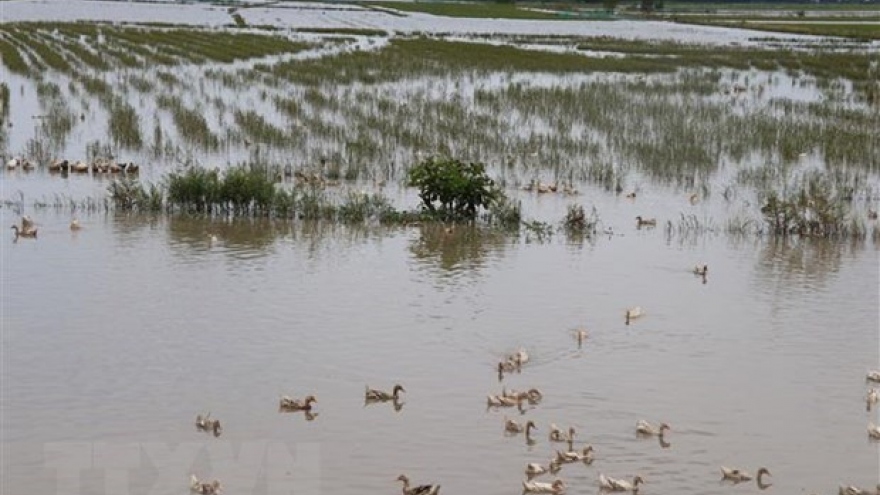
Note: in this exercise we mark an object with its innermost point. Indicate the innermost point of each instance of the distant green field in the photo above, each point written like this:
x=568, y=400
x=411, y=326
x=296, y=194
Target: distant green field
x=838, y=19
x=842, y=28
x=864, y=31
x=697, y=7
x=461, y=9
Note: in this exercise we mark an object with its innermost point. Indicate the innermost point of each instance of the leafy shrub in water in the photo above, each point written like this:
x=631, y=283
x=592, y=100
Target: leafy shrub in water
x=245, y=190
x=196, y=189
x=577, y=221
x=506, y=214
x=359, y=207
x=240, y=190
x=814, y=208
x=130, y=195
x=453, y=190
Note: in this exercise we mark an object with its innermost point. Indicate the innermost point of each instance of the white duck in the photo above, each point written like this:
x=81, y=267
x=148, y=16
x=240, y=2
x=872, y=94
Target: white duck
x=374, y=395
x=645, y=428
x=511, y=426
x=618, y=485
x=556, y=435
x=204, y=488
x=633, y=313
x=502, y=401
x=585, y=456
x=289, y=403
x=533, y=395
x=853, y=490
x=873, y=431
x=534, y=469
x=521, y=356
x=738, y=475
x=557, y=486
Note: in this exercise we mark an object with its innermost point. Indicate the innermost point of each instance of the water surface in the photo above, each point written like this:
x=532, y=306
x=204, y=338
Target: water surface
x=118, y=335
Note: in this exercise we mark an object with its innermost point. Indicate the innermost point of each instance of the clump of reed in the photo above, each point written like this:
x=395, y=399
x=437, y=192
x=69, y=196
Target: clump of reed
x=505, y=213
x=361, y=206
x=578, y=223
x=128, y=194
x=811, y=205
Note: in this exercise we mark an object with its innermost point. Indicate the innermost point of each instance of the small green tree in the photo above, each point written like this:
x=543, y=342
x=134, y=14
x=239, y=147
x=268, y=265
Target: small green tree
x=453, y=189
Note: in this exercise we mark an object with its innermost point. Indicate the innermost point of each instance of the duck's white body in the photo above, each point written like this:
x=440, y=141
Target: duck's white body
x=645, y=428
x=502, y=401
x=204, y=488
x=853, y=490
x=734, y=474
x=557, y=435
x=874, y=431
x=533, y=395
x=573, y=456
x=618, y=485
x=534, y=469
x=540, y=487
x=633, y=313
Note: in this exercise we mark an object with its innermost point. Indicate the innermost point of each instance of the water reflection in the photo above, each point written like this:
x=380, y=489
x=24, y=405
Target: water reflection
x=397, y=404
x=130, y=228
x=238, y=235
x=457, y=249
x=807, y=263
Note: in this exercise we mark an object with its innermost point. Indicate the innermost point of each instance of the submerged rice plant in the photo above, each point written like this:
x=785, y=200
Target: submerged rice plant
x=124, y=125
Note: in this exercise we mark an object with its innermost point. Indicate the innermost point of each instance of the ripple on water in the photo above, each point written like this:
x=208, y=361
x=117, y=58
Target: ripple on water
x=166, y=327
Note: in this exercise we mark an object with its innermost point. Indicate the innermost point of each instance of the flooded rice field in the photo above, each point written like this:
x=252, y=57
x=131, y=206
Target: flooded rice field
x=293, y=15
x=117, y=334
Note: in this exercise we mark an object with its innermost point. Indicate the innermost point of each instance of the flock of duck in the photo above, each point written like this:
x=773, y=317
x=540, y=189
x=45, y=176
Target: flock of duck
x=28, y=228
x=288, y=404
x=584, y=455
x=98, y=166
x=513, y=398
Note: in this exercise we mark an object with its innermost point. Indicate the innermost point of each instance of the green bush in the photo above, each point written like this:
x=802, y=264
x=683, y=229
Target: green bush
x=197, y=189
x=453, y=190
x=130, y=195
x=240, y=190
x=245, y=190
x=812, y=207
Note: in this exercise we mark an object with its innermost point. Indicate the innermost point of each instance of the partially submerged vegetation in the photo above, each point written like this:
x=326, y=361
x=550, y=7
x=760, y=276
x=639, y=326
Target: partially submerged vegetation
x=862, y=30
x=494, y=10
x=63, y=46
x=523, y=115
x=250, y=190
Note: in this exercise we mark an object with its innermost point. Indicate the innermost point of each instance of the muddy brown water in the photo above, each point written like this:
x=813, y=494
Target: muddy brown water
x=116, y=336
